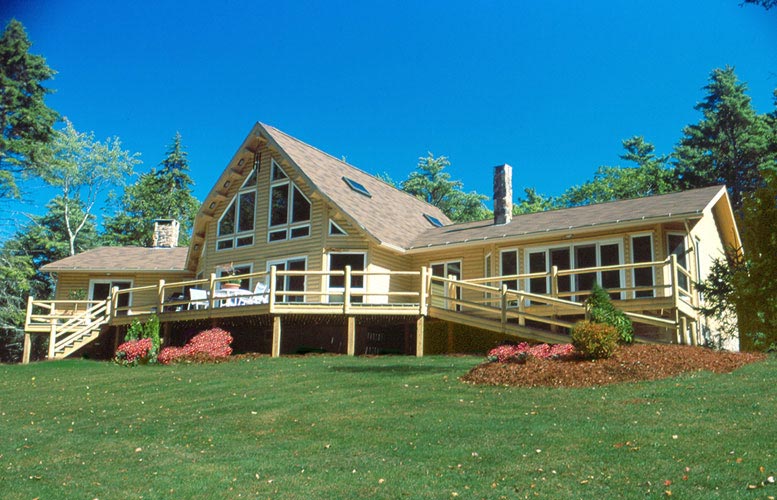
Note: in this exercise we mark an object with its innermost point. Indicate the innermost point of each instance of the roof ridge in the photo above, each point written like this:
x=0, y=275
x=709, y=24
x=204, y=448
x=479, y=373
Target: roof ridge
x=345, y=163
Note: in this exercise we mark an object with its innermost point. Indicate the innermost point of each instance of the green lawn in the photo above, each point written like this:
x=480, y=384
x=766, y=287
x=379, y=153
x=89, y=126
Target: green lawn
x=388, y=427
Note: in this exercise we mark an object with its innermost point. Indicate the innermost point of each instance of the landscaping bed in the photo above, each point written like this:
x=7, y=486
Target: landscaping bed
x=631, y=363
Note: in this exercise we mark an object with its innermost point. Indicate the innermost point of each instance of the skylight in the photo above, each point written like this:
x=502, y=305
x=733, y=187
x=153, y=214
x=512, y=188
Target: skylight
x=434, y=220
x=359, y=188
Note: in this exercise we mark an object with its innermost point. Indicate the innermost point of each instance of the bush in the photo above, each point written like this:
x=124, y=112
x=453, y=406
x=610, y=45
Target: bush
x=148, y=330
x=601, y=310
x=134, y=352
x=594, y=340
x=209, y=345
x=517, y=353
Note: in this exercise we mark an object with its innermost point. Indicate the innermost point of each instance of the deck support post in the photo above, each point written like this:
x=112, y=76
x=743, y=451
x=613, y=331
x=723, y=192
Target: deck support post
x=419, y=337
x=422, y=301
x=27, y=340
x=351, y=336
x=684, y=329
x=450, y=338
x=166, y=333
x=503, y=316
x=695, y=332
x=276, y=336
x=675, y=297
x=27, y=348
x=161, y=297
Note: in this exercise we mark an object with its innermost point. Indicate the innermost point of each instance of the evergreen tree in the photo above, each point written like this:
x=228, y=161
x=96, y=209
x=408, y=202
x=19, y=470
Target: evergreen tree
x=25, y=120
x=164, y=193
x=730, y=144
x=650, y=176
x=432, y=185
x=533, y=202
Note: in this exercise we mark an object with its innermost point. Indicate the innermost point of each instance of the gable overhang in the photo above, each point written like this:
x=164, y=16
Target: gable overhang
x=219, y=194
x=722, y=211
x=566, y=233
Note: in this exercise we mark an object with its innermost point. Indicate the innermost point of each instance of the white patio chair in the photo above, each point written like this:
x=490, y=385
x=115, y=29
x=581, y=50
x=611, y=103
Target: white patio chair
x=261, y=295
x=198, y=298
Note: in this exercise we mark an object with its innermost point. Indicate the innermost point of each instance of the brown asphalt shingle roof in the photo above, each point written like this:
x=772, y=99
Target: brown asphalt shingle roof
x=123, y=259
x=390, y=215
x=686, y=203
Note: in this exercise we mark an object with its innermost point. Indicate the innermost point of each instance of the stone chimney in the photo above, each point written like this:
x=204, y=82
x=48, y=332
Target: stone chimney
x=165, y=233
x=503, y=194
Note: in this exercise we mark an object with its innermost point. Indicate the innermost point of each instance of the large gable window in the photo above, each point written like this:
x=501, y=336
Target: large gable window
x=236, y=226
x=289, y=208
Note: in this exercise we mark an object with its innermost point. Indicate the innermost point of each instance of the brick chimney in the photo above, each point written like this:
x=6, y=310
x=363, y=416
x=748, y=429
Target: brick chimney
x=503, y=194
x=165, y=233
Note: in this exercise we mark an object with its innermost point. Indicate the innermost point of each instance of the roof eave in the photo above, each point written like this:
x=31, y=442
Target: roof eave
x=588, y=228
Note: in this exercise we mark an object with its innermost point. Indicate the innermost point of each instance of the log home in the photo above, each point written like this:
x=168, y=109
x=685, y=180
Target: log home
x=327, y=257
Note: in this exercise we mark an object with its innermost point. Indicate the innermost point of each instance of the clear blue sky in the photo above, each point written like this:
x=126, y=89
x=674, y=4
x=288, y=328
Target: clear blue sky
x=551, y=87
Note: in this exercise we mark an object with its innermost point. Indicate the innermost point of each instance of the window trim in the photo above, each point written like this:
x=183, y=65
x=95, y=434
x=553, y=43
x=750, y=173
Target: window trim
x=285, y=261
x=445, y=263
x=234, y=202
x=330, y=289
x=288, y=226
x=573, y=263
x=652, y=259
x=342, y=232
x=221, y=272
x=687, y=248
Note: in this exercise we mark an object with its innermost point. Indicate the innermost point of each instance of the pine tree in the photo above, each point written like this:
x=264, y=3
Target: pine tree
x=25, y=120
x=165, y=193
x=729, y=145
x=431, y=184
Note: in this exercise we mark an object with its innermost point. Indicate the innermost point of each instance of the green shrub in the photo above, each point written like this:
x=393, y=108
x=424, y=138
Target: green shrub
x=148, y=330
x=601, y=310
x=594, y=340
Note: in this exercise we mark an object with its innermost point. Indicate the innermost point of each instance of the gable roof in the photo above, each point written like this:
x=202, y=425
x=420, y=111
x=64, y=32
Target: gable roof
x=681, y=205
x=391, y=216
x=135, y=259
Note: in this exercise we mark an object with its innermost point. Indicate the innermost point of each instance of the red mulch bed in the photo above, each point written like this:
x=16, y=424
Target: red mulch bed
x=630, y=363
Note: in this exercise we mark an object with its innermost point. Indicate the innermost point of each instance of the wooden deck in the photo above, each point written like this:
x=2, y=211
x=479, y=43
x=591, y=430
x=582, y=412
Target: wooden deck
x=485, y=303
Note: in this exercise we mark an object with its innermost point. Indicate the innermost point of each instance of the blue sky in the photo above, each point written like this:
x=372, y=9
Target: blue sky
x=550, y=87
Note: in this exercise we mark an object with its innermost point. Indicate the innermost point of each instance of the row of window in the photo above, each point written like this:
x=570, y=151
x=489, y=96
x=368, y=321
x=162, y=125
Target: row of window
x=579, y=256
x=289, y=213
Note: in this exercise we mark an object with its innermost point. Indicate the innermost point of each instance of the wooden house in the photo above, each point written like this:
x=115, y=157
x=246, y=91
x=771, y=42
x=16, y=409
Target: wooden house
x=330, y=258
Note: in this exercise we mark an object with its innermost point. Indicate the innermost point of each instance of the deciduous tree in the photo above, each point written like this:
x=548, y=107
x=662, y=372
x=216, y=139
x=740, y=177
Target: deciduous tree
x=84, y=169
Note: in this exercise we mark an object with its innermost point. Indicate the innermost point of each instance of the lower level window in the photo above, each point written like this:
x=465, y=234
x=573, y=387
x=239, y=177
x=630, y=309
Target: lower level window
x=284, y=283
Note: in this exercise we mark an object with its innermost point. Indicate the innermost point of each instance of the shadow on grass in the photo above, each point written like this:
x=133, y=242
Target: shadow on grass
x=386, y=369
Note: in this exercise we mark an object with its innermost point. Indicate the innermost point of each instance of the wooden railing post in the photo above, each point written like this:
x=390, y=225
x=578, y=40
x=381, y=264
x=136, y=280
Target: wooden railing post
x=554, y=282
x=212, y=291
x=271, y=298
x=114, y=301
x=503, y=311
x=52, y=331
x=675, y=296
x=161, y=297
x=423, y=306
x=347, y=291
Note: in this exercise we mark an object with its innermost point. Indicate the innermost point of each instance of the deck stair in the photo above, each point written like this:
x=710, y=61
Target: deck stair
x=69, y=330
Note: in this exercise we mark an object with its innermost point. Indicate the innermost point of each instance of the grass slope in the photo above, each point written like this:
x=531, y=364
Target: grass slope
x=389, y=427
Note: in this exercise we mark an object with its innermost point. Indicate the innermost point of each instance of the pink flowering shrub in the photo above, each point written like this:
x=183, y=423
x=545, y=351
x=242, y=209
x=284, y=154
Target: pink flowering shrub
x=134, y=351
x=512, y=353
x=207, y=345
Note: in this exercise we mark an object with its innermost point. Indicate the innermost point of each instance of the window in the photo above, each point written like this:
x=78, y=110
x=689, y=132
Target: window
x=237, y=270
x=598, y=254
x=337, y=262
x=289, y=283
x=289, y=208
x=359, y=188
x=444, y=270
x=676, y=246
x=101, y=290
x=434, y=220
x=236, y=226
x=335, y=230
x=642, y=251
x=508, y=266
